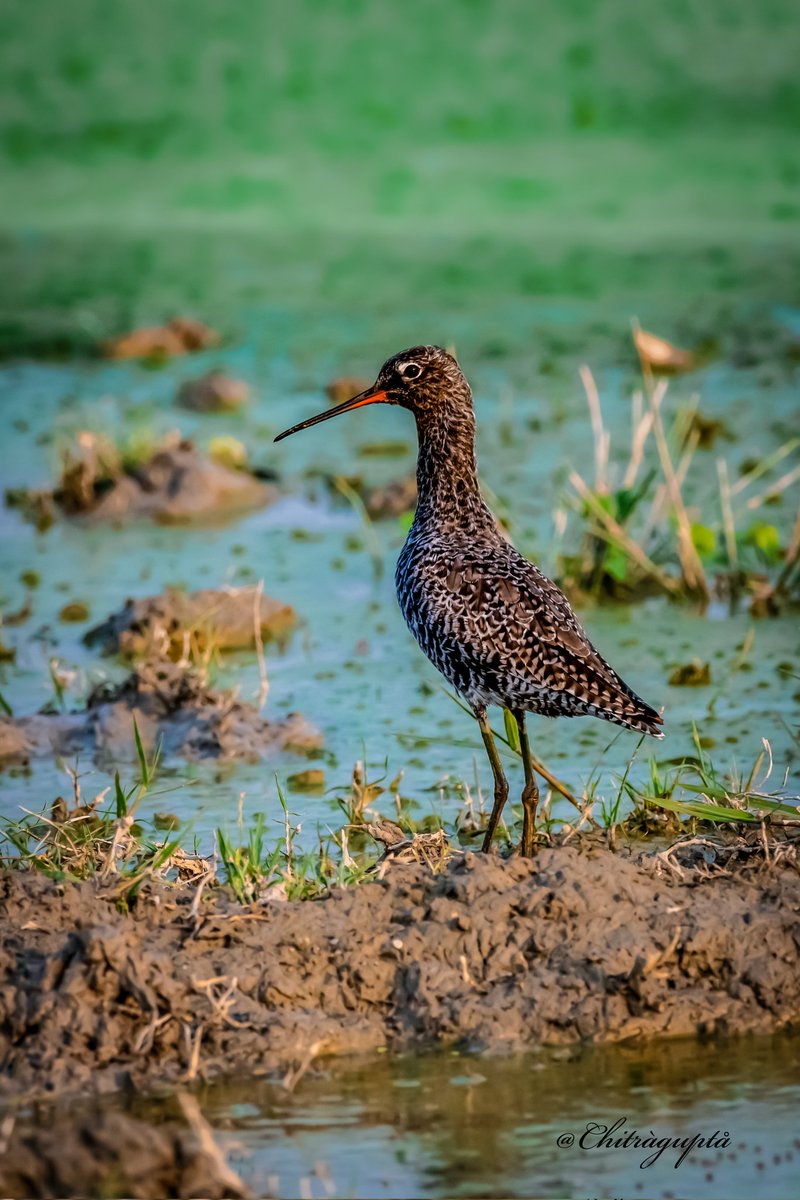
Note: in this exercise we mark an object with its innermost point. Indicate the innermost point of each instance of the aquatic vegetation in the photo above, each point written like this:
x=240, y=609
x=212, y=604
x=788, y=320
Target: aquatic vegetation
x=249, y=870
x=696, y=788
x=692, y=788
x=653, y=525
x=692, y=674
x=355, y=802
x=262, y=872
x=660, y=357
x=107, y=839
x=229, y=452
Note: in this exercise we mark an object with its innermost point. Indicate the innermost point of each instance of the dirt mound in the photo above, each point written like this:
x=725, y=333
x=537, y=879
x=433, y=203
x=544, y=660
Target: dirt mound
x=180, y=484
x=392, y=499
x=492, y=954
x=175, y=484
x=181, y=335
x=213, y=392
x=178, y=624
x=172, y=706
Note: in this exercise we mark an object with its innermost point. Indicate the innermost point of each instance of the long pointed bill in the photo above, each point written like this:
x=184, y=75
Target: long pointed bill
x=370, y=396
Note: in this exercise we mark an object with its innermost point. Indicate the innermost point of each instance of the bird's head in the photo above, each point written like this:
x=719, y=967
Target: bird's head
x=426, y=380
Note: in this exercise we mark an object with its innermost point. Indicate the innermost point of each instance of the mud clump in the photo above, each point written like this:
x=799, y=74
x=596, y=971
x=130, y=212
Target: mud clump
x=176, y=623
x=181, y=335
x=392, y=499
x=693, y=674
x=175, y=484
x=179, y=484
x=345, y=387
x=172, y=706
x=110, y=1153
x=213, y=392
x=579, y=944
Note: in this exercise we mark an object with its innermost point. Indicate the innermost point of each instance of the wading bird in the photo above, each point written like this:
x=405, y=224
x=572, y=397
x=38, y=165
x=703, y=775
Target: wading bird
x=497, y=628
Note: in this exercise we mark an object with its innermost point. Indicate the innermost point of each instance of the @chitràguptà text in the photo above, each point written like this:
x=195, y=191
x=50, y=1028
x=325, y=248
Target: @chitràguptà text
x=597, y=1136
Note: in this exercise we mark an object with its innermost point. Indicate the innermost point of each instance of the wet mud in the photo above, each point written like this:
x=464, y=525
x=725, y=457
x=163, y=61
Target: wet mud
x=173, y=707
x=112, y=1154
x=213, y=392
x=495, y=955
x=176, y=484
x=179, y=484
x=177, y=623
x=392, y=499
x=181, y=335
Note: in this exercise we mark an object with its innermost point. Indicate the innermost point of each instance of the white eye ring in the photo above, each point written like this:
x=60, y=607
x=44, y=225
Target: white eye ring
x=411, y=370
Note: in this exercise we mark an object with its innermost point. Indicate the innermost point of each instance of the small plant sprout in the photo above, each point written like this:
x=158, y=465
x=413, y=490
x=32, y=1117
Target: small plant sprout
x=95, y=839
x=371, y=538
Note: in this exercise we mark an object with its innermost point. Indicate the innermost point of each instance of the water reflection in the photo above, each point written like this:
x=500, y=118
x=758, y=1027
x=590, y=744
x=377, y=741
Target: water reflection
x=444, y=1124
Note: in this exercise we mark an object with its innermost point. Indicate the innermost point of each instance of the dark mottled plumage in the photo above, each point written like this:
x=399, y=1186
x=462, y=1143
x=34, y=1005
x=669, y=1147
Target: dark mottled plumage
x=498, y=630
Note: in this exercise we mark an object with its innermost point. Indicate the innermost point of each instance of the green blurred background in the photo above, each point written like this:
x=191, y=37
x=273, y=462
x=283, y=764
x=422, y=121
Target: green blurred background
x=383, y=157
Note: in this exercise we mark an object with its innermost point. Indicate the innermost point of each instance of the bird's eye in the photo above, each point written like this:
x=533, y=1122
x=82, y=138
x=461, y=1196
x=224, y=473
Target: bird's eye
x=411, y=370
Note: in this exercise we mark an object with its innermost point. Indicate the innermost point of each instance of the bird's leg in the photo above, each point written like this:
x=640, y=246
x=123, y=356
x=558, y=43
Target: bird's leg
x=530, y=793
x=500, y=781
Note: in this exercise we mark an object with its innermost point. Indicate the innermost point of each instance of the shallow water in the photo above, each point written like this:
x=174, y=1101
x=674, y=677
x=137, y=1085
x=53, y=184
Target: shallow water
x=452, y=1125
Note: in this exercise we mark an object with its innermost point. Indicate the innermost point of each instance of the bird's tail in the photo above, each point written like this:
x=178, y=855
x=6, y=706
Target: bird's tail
x=636, y=714
x=647, y=721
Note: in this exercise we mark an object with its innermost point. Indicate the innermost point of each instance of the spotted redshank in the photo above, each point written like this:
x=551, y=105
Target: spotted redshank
x=496, y=628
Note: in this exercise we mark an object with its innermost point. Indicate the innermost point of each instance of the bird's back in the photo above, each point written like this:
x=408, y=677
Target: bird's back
x=502, y=633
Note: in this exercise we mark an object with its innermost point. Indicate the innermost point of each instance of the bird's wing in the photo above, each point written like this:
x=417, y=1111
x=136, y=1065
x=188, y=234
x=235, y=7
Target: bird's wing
x=532, y=619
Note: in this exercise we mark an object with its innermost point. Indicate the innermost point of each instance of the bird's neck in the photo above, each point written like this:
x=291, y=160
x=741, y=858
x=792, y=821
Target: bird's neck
x=447, y=472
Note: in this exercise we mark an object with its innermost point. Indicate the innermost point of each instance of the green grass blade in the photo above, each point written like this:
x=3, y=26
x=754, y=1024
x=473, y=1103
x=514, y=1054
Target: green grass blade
x=703, y=812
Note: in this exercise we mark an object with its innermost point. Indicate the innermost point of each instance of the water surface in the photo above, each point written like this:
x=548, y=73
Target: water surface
x=452, y=1125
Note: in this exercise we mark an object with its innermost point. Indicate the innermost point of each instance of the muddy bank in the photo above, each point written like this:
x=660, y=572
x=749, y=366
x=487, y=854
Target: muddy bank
x=179, y=624
x=172, y=706
x=495, y=955
x=110, y=1153
x=178, y=484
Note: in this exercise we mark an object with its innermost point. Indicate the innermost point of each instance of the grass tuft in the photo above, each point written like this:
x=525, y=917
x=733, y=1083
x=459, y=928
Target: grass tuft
x=654, y=524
